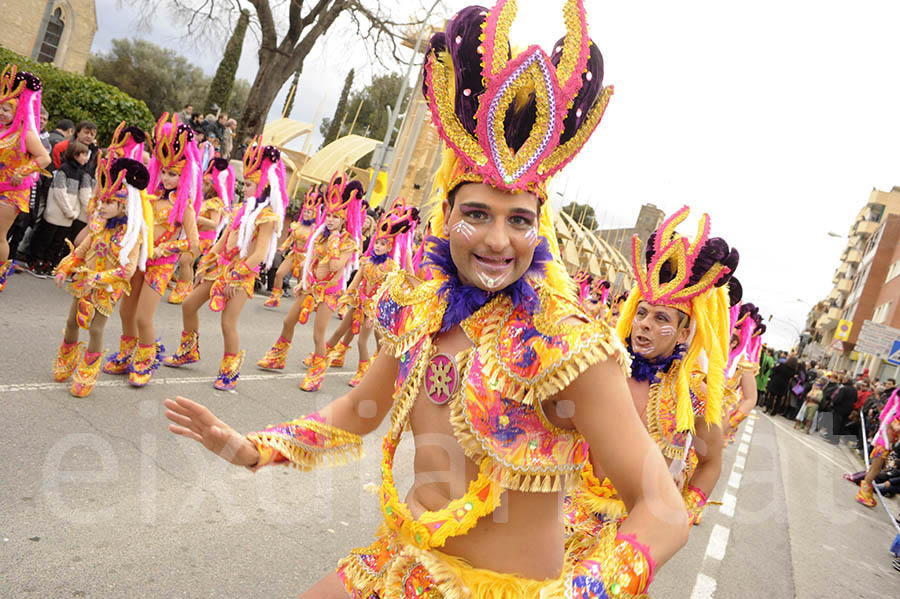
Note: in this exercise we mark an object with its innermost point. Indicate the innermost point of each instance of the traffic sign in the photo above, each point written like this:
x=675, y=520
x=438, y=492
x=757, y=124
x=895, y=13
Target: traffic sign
x=876, y=339
x=894, y=356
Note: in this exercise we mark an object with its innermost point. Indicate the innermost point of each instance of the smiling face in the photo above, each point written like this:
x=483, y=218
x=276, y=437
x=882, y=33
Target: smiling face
x=308, y=214
x=334, y=222
x=492, y=234
x=169, y=179
x=656, y=330
x=7, y=113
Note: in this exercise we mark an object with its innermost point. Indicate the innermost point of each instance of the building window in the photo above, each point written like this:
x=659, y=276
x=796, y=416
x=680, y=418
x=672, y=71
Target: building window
x=52, y=36
x=881, y=312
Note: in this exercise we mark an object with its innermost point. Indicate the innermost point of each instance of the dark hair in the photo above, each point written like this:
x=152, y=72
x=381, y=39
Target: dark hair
x=188, y=105
x=85, y=125
x=65, y=124
x=75, y=148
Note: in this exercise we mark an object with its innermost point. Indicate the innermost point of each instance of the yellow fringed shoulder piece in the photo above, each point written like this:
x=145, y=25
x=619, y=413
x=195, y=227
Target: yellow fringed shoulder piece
x=306, y=443
x=406, y=309
x=266, y=215
x=561, y=351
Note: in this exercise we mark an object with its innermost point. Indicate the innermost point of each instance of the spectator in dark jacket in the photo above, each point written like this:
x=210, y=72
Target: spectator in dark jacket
x=779, y=385
x=842, y=406
x=86, y=133
x=64, y=130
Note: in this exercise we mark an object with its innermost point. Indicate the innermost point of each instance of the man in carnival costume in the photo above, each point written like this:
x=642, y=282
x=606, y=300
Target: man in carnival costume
x=101, y=266
x=331, y=255
x=675, y=316
x=490, y=354
x=230, y=269
x=294, y=247
x=22, y=155
x=389, y=249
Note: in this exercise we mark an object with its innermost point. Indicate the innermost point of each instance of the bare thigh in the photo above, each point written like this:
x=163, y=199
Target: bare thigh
x=329, y=587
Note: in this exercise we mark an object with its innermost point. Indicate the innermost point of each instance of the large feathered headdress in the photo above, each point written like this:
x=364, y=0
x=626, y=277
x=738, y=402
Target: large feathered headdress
x=262, y=165
x=174, y=149
x=24, y=90
x=122, y=180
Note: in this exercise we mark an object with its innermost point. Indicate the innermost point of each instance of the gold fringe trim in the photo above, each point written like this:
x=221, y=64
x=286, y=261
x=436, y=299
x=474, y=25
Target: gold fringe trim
x=652, y=410
x=346, y=447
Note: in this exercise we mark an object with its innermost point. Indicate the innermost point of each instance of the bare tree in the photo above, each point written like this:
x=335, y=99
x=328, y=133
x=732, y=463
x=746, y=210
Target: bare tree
x=307, y=23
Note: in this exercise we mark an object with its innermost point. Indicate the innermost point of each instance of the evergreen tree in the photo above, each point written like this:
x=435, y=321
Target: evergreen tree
x=289, y=99
x=333, y=131
x=223, y=81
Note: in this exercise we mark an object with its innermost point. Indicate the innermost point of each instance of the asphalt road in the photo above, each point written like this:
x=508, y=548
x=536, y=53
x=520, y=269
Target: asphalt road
x=99, y=500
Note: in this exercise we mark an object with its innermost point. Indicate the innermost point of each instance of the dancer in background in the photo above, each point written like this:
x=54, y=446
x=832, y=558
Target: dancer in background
x=218, y=186
x=229, y=270
x=22, y=155
x=175, y=178
x=389, y=249
x=330, y=257
x=295, y=244
x=102, y=267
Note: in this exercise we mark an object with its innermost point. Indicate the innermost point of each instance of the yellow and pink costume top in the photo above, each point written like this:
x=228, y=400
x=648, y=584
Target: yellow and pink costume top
x=748, y=329
x=510, y=121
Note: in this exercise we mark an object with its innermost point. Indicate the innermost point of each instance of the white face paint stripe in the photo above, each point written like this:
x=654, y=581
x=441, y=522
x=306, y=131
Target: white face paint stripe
x=667, y=330
x=487, y=281
x=532, y=237
x=464, y=229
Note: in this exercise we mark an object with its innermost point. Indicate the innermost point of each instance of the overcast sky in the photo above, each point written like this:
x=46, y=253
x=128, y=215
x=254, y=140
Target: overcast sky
x=775, y=117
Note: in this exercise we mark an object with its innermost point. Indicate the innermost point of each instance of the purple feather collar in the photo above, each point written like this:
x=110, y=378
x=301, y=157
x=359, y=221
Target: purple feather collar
x=464, y=300
x=643, y=369
x=378, y=259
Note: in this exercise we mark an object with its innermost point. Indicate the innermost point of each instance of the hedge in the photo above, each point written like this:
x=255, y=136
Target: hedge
x=77, y=97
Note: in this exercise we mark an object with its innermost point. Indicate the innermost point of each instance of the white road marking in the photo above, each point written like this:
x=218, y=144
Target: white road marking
x=739, y=462
x=735, y=480
x=704, y=588
x=718, y=542
x=159, y=381
x=729, y=502
x=743, y=447
x=809, y=445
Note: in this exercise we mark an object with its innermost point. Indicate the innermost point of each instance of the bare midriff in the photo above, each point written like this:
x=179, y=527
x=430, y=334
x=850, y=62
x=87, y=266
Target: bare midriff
x=523, y=536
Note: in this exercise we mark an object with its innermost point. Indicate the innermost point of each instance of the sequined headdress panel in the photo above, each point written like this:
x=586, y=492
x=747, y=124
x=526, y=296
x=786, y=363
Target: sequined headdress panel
x=123, y=180
x=513, y=121
x=342, y=194
x=221, y=176
x=174, y=149
x=257, y=158
x=312, y=200
x=172, y=143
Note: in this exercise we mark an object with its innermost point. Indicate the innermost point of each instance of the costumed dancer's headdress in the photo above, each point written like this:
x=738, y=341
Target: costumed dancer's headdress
x=583, y=281
x=123, y=180
x=221, y=176
x=263, y=166
x=174, y=149
x=313, y=200
x=745, y=323
x=24, y=90
x=127, y=142
x=601, y=288
x=690, y=276
x=512, y=121
x=398, y=225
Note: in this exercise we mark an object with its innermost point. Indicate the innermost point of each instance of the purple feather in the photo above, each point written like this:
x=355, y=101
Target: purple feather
x=643, y=369
x=464, y=300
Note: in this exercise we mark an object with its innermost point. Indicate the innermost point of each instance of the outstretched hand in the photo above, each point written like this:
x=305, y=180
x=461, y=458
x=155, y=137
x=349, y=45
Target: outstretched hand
x=196, y=422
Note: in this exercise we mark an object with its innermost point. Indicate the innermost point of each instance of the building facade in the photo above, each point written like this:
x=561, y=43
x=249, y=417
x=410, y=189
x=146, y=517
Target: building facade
x=861, y=291
x=55, y=31
x=649, y=219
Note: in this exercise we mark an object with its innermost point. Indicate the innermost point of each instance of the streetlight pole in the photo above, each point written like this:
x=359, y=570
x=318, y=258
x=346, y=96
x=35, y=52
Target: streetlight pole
x=395, y=111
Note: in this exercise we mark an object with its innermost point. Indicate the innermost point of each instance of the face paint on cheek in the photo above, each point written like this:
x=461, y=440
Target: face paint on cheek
x=464, y=230
x=667, y=330
x=532, y=237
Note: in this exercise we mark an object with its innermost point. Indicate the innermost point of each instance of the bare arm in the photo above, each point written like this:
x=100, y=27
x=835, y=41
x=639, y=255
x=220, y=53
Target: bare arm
x=708, y=443
x=210, y=223
x=36, y=148
x=748, y=388
x=360, y=412
x=622, y=449
x=337, y=265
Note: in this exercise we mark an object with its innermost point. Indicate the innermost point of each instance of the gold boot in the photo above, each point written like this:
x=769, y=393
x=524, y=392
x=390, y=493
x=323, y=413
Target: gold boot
x=118, y=363
x=229, y=371
x=275, y=299
x=276, y=357
x=316, y=373
x=337, y=354
x=67, y=360
x=188, y=350
x=360, y=372
x=87, y=373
